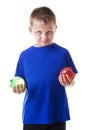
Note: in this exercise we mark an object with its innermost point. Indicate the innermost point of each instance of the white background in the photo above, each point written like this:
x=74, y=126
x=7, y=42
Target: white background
x=14, y=38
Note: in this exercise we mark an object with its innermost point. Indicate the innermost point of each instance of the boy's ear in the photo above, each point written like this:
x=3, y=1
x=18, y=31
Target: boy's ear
x=30, y=29
x=56, y=27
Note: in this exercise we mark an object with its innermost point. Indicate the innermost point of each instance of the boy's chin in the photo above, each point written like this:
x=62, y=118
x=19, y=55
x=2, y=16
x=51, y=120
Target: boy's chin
x=45, y=43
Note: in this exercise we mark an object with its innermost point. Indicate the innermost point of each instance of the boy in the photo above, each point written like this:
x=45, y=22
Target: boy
x=45, y=104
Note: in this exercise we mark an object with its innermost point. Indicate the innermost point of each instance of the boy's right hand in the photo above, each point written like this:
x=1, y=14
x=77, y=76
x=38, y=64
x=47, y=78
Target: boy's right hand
x=20, y=88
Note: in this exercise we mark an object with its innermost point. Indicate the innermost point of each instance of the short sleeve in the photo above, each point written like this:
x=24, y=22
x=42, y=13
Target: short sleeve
x=19, y=68
x=69, y=62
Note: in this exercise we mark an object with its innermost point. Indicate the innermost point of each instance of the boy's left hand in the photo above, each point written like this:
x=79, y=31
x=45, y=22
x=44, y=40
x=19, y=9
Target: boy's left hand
x=65, y=80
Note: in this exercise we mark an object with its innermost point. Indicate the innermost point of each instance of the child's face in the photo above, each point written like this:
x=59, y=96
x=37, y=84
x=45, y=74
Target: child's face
x=43, y=33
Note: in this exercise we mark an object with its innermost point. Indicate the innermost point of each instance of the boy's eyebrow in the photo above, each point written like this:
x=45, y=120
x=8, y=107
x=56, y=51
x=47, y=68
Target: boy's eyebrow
x=37, y=31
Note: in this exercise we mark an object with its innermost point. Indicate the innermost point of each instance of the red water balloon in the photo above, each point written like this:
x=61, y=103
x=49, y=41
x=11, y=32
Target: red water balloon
x=68, y=71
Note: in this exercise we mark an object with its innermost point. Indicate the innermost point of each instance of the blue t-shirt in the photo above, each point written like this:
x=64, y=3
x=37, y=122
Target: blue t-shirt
x=45, y=99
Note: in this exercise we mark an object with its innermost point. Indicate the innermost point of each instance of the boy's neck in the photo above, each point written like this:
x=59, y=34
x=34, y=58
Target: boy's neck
x=39, y=45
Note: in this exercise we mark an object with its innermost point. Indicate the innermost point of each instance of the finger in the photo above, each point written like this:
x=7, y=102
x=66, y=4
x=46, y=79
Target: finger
x=24, y=85
x=64, y=79
x=69, y=80
x=22, y=88
x=19, y=89
x=61, y=80
x=15, y=90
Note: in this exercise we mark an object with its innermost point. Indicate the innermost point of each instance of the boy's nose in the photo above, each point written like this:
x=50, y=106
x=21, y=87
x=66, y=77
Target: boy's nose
x=44, y=36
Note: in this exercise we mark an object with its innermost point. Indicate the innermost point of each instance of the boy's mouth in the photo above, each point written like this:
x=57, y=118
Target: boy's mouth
x=45, y=41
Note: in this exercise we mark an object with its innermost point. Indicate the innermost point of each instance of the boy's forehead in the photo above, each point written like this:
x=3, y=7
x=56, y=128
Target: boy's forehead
x=41, y=26
x=42, y=23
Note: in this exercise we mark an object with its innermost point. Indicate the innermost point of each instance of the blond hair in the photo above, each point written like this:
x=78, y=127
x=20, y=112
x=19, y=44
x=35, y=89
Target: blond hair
x=44, y=14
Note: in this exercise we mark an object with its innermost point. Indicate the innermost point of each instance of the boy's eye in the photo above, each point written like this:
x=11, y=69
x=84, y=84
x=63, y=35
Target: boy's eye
x=38, y=32
x=49, y=32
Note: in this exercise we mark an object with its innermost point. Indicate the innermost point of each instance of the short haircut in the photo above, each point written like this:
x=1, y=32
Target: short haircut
x=44, y=14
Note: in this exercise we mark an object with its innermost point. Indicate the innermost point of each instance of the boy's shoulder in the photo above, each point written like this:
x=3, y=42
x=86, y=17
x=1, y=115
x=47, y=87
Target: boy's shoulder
x=26, y=51
x=60, y=48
